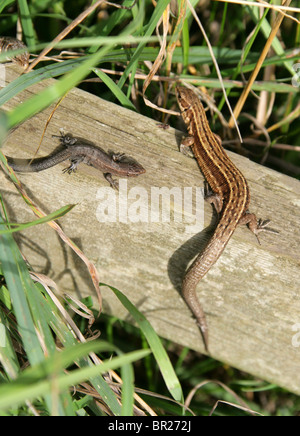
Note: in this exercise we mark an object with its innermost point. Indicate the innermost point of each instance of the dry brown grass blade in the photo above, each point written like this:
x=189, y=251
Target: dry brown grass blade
x=71, y=26
x=165, y=52
x=40, y=214
x=64, y=33
x=46, y=126
x=137, y=398
x=164, y=398
x=257, y=68
x=264, y=4
x=121, y=6
x=215, y=64
x=242, y=405
x=161, y=55
x=91, y=267
x=112, y=375
x=291, y=117
x=82, y=310
x=236, y=406
x=177, y=31
x=158, y=61
x=47, y=282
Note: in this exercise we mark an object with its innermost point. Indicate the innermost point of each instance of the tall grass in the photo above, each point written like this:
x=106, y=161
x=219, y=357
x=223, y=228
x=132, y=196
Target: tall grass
x=43, y=353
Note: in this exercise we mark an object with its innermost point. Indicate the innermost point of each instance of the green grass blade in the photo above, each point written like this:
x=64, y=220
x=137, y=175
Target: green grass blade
x=30, y=385
x=36, y=76
x=199, y=55
x=155, y=344
x=19, y=284
x=26, y=22
x=5, y=3
x=3, y=127
x=114, y=89
x=61, y=404
x=158, y=11
x=8, y=358
x=67, y=337
x=106, y=26
x=266, y=30
x=16, y=227
x=61, y=87
x=46, y=97
x=127, y=375
x=18, y=279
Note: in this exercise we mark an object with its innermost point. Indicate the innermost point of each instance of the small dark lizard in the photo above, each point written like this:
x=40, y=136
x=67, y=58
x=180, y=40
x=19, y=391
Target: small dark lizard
x=79, y=152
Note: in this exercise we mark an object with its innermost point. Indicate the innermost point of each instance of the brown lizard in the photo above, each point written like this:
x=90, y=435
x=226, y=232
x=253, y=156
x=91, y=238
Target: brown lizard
x=229, y=194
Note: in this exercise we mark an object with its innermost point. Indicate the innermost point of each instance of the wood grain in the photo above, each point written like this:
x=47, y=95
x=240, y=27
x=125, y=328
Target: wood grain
x=250, y=296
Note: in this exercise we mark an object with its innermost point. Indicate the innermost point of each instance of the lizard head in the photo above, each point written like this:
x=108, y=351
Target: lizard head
x=185, y=97
x=135, y=169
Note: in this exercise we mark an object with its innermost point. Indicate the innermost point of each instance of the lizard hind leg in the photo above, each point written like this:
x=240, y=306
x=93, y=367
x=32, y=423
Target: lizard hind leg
x=185, y=146
x=211, y=197
x=256, y=225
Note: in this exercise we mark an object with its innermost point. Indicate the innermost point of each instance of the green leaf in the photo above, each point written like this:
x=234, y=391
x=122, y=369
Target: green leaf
x=17, y=278
x=114, y=89
x=3, y=126
x=16, y=227
x=155, y=344
x=46, y=97
x=26, y=22
x=40, y=380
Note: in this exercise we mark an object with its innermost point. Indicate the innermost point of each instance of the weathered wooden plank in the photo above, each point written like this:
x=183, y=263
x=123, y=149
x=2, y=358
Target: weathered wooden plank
x=251, y=296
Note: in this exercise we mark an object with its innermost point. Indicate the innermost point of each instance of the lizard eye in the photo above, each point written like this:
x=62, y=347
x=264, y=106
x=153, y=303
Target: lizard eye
x=178, y=94
x=68, y=139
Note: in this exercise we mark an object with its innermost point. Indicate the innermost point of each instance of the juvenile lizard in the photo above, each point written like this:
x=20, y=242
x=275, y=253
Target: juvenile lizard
x=79, y=152
x=229, y=194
